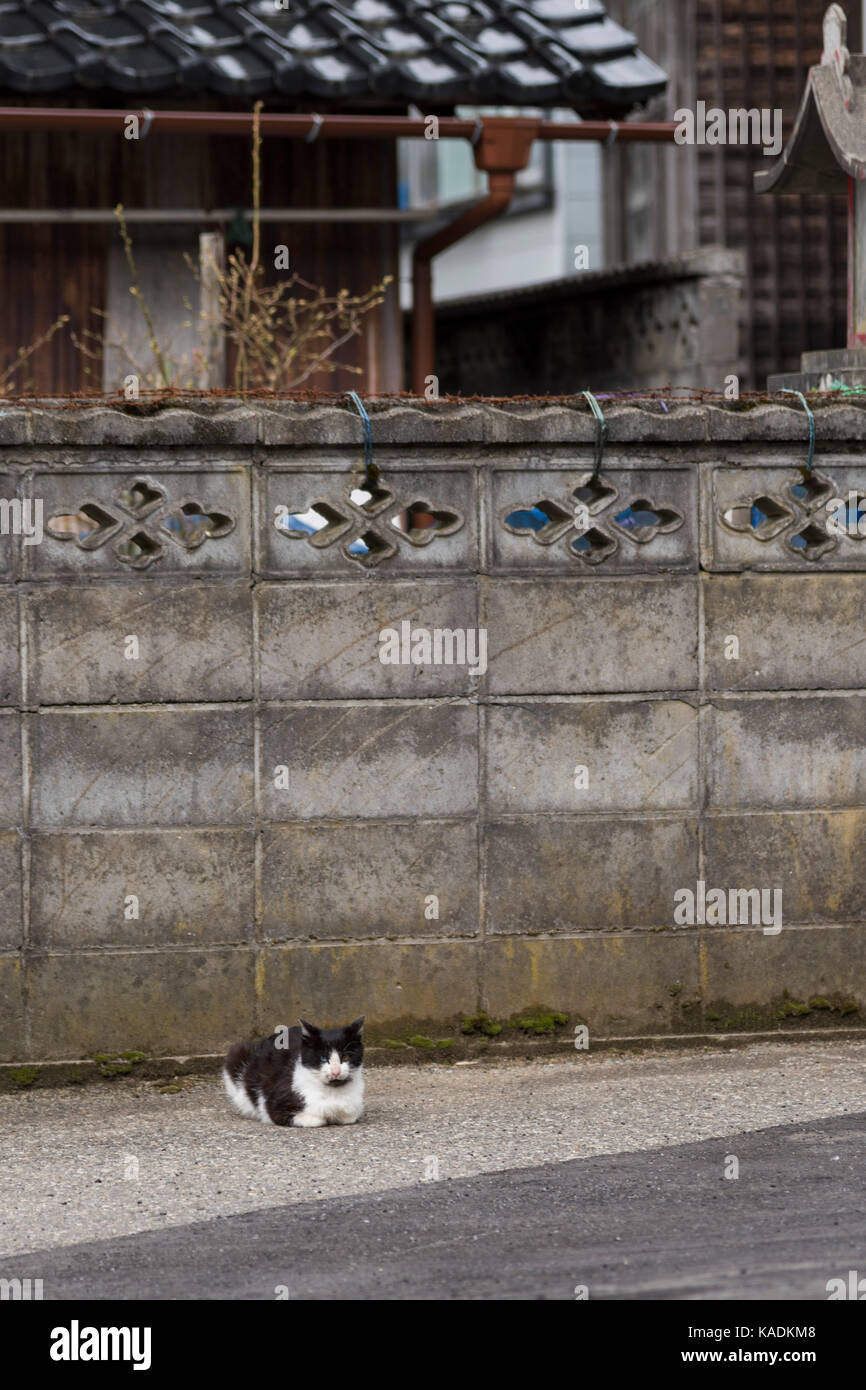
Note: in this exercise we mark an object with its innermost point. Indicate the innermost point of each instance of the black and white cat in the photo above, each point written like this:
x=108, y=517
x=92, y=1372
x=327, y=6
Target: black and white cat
x=317, y=1079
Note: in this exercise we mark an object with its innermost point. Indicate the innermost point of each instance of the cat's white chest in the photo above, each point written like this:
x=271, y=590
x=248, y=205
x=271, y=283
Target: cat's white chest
x=324, y=1104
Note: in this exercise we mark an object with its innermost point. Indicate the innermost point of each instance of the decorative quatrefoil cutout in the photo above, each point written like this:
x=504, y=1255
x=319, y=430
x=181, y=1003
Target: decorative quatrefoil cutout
x=811, y=492
x=320, y=524
x=190, y=525
x=812, y=542
x=369, y=549
x=545, y=522
x=798, y=527
x=593, y=546
x=188, y=522
x=549, y=520
x=90, y=527
x=370, y=497
x=139, y=497
x=764, y=516
x=421, y=523
x=641, y=521
x=594, y=493
x=138, y=550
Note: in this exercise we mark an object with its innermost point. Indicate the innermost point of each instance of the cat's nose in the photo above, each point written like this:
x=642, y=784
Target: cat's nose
x=335, y=1071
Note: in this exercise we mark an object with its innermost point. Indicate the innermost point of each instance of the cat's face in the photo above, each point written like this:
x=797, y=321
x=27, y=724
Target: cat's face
x=334, y=1054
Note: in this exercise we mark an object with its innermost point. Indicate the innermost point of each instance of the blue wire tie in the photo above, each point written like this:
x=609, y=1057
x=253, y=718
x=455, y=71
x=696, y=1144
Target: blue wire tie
x=789, y=391
x=600, y=433
x=368, y=434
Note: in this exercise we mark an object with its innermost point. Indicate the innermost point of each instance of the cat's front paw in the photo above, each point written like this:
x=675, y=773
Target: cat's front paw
x=344, y=1118
x=304, y=1121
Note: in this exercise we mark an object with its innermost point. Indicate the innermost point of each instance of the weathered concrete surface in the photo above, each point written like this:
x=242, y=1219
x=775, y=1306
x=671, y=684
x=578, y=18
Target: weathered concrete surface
x=196, y=645
x=791, y=635
x=659, y=1224
x=369, y=880
x=407, y=986
x=167, y=766
x=578, y=636
x=111, y=1159
x=787, y=753
x=95, y=1003
x=321, y=641
x=636, y=756
x=370, y=760
x=10, y=760
x=8, y=649
x=190, y=887
x=554, y=875
x=815, y=858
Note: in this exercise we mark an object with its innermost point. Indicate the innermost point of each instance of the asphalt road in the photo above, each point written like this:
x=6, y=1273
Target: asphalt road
x=664, y=1223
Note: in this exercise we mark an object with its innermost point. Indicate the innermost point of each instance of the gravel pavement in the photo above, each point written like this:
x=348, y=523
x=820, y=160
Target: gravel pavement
x=92, y=1162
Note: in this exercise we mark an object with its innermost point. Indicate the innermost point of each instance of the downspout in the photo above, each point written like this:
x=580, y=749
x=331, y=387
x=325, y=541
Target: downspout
x=502, y=149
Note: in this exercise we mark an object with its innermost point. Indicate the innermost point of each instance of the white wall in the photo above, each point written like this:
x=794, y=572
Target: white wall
x=529, y=248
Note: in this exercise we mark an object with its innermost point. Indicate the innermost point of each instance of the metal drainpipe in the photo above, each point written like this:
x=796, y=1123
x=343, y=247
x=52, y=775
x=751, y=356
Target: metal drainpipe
x=503, y=147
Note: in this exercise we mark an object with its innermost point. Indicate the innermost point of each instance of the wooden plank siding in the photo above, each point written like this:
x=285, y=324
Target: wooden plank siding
x=46, y=270
x=738, y=54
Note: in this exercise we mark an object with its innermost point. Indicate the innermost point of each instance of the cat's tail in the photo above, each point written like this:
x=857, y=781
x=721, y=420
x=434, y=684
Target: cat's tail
x=236, y=1061
x=234, y=1074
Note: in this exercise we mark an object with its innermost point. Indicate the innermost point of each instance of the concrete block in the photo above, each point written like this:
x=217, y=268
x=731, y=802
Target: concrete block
x=9, y=681
x=369, y=761
x=13, y=1040
x=751, y=973
x=357, y=881
x=576, y=636
x=193, y=642
x=150, y=521
x=617, y=985
x=10, y=544
x=350, y=538
x=786, y=752
x=582, y=756
x=129, y=767
x=156, y=1002
x=554, y=875
x=192, y=887
x=768, y=518
x=414, y=986
x=321, y=641
x=10, y=761
x=637, y=519
x=11, y=905
x=814, y=857
x=794, y=632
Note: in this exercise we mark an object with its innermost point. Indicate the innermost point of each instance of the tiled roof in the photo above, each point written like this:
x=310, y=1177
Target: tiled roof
x=438, y=52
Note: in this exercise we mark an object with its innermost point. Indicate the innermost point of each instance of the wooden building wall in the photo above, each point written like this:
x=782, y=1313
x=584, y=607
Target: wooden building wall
x=732, y=54
x=46, y=270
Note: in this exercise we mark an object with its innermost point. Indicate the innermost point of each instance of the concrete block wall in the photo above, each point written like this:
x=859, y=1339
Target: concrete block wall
x=243, y=814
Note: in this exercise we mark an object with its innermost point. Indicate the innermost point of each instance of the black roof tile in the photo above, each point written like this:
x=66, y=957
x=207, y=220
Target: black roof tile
x=436, y=52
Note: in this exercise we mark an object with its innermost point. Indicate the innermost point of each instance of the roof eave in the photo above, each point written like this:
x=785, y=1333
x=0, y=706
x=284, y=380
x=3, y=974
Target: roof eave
x=828, y=142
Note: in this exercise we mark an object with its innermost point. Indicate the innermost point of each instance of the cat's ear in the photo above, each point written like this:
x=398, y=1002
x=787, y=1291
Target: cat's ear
x=308, y=1030
x=357, y=1025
